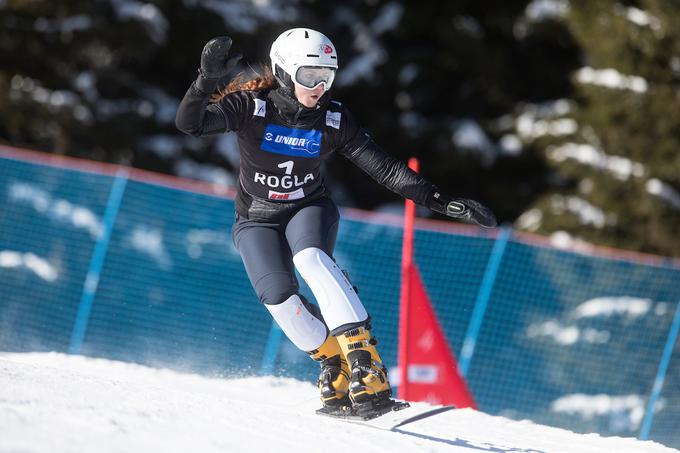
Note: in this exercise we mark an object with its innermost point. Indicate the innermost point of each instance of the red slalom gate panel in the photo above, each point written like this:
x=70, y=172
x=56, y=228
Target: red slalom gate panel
x=431, y=370
x=428, y=370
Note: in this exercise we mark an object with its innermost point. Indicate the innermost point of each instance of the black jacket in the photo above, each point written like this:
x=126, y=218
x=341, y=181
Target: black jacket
x=283, y=144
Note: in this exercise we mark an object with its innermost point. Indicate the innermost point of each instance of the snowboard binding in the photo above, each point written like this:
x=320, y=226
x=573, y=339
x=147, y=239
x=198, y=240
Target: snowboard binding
x=365, y=411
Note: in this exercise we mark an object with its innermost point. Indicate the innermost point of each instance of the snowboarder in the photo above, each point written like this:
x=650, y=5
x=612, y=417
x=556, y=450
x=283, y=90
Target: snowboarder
x=287, y=125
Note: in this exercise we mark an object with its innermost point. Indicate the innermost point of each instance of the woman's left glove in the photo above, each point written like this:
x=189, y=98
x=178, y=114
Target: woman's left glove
x=462, y=208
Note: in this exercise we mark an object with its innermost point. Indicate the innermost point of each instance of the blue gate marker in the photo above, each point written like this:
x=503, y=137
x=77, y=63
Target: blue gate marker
x=271, y=350
x=97, y=262
x=482, y=301
x=660, y=375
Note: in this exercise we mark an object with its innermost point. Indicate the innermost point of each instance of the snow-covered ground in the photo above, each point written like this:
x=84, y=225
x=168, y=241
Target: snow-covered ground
x=57, y=403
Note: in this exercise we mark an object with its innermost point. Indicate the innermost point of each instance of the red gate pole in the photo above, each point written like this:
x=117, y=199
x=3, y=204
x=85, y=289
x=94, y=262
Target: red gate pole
x=405, y=296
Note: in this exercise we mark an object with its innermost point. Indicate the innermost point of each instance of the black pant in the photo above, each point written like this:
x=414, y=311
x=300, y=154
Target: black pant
x=267, y=248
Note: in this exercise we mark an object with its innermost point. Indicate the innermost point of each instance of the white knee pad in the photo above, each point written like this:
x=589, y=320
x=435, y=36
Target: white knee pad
x=338, y=301
x=305, y=330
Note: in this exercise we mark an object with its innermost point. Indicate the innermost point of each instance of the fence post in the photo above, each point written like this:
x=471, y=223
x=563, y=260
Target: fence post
x=482, y=301
x=97, y=261
x=660, y=375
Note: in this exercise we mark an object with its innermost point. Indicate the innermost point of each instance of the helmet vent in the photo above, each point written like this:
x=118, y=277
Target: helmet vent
x=312, y=55
x=306, y=34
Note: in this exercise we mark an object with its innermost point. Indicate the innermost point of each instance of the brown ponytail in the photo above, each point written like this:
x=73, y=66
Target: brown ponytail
x=259, y=82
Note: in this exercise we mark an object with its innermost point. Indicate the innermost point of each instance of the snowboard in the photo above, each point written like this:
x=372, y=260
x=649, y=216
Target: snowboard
x=389, y=416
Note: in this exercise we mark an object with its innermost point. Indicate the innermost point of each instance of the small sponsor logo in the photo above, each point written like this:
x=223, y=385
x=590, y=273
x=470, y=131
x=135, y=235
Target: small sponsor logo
x=325, y=48
x=278, y=55
x=423, y=374
x=426, y=341
x=260, y=108
x=291, y=142
x=333, y=119
x=295, y=195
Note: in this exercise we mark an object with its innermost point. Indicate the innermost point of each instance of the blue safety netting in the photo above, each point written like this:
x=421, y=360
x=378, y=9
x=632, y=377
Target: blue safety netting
x=568, y=339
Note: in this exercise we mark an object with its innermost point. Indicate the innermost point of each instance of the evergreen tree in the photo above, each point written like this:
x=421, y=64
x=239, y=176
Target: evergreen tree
x=490, y=97
x=616, y=168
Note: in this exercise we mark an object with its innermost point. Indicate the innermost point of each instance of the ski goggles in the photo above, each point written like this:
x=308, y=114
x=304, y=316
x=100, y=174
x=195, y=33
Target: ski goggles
x=313, y=76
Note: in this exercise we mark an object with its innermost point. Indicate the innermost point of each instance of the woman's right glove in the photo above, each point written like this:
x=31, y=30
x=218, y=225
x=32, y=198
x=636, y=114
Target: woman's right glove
x=215, y=61
x=462, y=208
x=215, y=64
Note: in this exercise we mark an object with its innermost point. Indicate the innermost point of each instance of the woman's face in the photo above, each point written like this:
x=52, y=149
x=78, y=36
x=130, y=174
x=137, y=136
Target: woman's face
x=308, y=97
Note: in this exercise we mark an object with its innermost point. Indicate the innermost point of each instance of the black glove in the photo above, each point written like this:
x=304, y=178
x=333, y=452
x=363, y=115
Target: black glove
x=462, y=208
x=215, y=63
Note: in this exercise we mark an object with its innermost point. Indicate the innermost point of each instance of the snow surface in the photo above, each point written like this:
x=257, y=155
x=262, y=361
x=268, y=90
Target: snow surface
x=39, y=266
x=664, y=191
x=57, y=209
x=620, y=167
x=567, y=334
x=563, y=240
x=147, y=14
x=539, y=10
x=55, y=402
x=611, y=78
x=245, y=16
x=631, y=307
x=371, y=52
x=537, y=120
x=587, y=213
x=639, y=17
x=589, y=406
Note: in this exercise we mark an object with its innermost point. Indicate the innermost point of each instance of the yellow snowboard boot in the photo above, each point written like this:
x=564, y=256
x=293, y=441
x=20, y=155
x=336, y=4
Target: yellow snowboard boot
x=333, y=380
x=368, y=383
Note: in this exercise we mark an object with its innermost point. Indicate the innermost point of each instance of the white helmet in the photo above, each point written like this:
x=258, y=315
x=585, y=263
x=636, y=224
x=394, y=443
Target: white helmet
x=304, y=56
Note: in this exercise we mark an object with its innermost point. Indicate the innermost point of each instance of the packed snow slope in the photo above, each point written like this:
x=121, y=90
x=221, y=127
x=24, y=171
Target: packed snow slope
x=58, y=403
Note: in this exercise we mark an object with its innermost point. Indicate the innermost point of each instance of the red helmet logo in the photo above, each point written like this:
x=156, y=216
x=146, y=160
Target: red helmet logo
x=326, y=48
